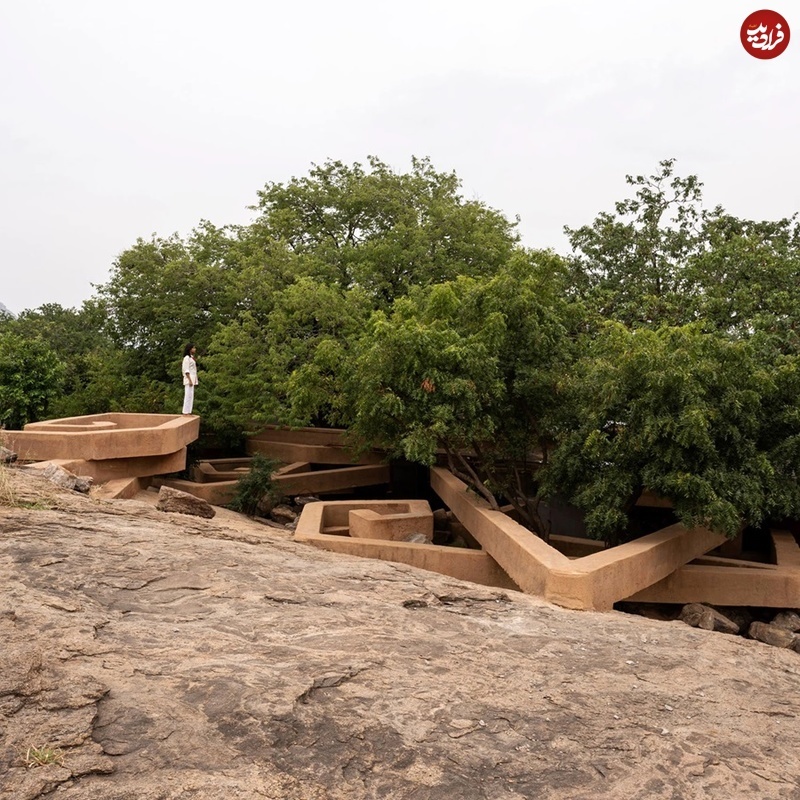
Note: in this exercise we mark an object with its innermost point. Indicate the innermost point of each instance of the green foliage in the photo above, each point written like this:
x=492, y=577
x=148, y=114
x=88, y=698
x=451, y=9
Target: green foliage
x=255, y=486
x=90, y=380
x=676, y=411
x=384, y=231
x=629, y=265
x=290, y=365
x=468, y=366
x=662, y=355
x=30, y=378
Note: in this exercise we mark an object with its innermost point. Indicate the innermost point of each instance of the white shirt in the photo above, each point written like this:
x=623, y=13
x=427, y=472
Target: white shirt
x=190, y=366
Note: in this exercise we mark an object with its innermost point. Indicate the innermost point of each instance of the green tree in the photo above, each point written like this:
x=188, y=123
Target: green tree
x=679, y=412
x=77, y=338
x=384, y=231
x=470, y=369
x=30, y=378
x=288, y=365
x=630, y=264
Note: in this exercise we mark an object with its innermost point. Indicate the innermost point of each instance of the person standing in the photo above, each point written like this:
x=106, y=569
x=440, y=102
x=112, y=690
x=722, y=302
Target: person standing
x=189, y=370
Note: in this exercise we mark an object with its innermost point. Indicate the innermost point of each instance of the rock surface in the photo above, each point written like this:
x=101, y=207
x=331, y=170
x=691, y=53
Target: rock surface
x=173, y=658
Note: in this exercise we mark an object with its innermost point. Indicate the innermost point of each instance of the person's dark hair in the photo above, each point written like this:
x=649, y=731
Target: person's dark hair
x=187, y=351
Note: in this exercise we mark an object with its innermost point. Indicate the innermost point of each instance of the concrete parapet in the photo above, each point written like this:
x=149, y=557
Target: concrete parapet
x=289, y=482
x=314, y=453
x=366, y=524
x=526, y=558
x=726, y=586
x=599, y=580
x=314, y=436
x=316, y=445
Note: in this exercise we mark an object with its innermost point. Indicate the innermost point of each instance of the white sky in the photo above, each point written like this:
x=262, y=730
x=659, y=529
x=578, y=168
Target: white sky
x=120, y=120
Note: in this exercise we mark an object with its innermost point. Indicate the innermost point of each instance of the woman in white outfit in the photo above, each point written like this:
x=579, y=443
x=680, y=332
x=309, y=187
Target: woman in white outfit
x=189, y=370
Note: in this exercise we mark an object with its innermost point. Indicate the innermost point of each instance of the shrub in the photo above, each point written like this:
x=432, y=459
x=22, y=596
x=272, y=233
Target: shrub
x=255, y=485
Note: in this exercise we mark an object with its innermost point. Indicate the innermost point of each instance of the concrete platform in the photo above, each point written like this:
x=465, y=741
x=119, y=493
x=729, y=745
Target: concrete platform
x=103, y=436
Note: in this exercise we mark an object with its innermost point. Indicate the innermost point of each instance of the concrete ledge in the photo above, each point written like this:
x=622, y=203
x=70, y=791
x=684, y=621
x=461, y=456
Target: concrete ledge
x=111, y=469
x=316, y=482
x=315, y=454
x=121, y=489
x=526, y=559
x=313, y=436
x=787, y=552
x=103, y=436
x=366, y=524
x=465, y=565
x=599, y=580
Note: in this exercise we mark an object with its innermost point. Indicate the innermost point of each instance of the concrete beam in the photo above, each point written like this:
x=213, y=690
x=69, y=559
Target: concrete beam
x=112, y=469
x=726, y=586
x=315, y=454
x=595, y=581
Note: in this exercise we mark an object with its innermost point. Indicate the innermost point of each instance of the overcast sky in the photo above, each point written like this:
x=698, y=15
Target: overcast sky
x=120, y=120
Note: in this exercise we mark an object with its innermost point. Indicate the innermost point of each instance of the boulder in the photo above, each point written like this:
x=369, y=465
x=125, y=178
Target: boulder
x=63, y=478
x=788, y=620
x=417, y=538
x=304, y=500
x=83, y=483
x=699, y=616
x=772, y=634
x=266, y=504
x=176, y=502
x=283, y=514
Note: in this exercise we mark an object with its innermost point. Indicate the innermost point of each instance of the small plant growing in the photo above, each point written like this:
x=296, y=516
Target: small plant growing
x=42, y=756
x=256, y=486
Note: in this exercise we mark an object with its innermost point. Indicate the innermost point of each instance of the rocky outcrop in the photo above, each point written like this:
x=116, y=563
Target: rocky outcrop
x=170, y=658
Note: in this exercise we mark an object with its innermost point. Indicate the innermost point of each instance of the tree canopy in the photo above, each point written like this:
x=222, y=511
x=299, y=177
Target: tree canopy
x=660, y=354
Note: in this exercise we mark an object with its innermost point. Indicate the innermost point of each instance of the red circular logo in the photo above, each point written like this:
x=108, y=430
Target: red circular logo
x=765, y=34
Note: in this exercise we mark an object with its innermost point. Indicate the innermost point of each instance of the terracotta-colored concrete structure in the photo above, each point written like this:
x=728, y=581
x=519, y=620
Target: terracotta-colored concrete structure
x=669, y=565
x=325, y=525
x=112, y=469
x=323, y=481
x=316, y=445
x=120, y=451
x=739, y=583
x=103, y=436
x=594, y=581
x=124, y=452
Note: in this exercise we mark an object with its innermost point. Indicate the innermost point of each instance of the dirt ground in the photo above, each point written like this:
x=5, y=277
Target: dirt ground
x=151, y=656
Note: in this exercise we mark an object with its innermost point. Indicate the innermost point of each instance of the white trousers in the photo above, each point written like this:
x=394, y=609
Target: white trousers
x=188, y=399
